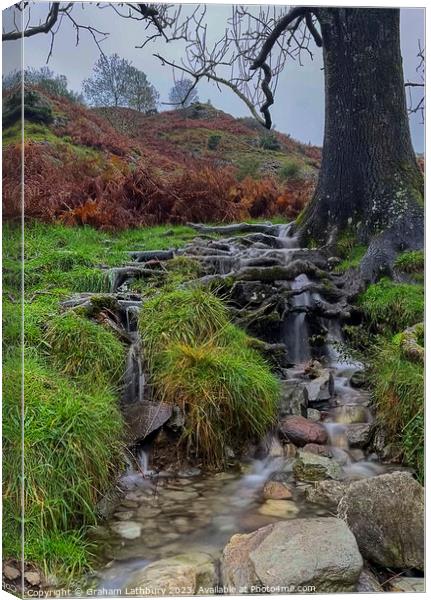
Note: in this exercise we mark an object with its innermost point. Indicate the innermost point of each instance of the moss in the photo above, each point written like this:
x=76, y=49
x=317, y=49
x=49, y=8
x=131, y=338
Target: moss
x=393, y=306
x=201, y=361
x=398, y=391
x=352, y=258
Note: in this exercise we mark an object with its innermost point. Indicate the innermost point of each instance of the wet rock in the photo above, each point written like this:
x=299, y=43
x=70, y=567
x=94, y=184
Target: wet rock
x=183, y=525
x=313, y=415
x=407, y=584
x=359, y=434
x=350, y=413
x=276, y=490
x=11, y=572
x=294, y=399
x=301, y=431
x=318, y=449
x=282, y=476
x=270, y=446
x=368, y=583
x=185, y=574
x=326, y=493
x=189, y=472
x=142, y=418
x=249, y=293
x=312, y=467
x=319, y=552
x=179, y=495
x=321, y=388
x=283, y=509
x=32, y=577
x=358, y=379
x=147, y=512
x=128, y=530
x=386, y=514
x=126, y=515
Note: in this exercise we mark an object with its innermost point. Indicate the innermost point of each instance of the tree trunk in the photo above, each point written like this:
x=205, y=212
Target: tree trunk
x=369, y=181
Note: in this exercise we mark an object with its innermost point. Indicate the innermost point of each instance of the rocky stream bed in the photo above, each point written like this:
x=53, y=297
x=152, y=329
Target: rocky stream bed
x=312, y=507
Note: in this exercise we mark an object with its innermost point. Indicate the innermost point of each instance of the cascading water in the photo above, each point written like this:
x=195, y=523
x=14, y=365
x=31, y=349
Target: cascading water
x=171, y=514
x=134, y=376
x=296, y=333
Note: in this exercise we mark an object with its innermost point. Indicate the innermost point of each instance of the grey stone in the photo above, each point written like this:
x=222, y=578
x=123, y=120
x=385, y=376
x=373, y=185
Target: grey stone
x=313, y=467
x=326, y=493
x=407, y=584
x=313, y=415
x=386, y=514
x=359, y=434
x=368, y=583
x=294, y=399
x=32, y=577
x=321, y=388
x=318, y=552
x=185, y=574
x=10, y=572
x=128, y=530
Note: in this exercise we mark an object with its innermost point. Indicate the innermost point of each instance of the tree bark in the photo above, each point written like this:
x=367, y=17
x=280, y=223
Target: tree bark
x=369, y=181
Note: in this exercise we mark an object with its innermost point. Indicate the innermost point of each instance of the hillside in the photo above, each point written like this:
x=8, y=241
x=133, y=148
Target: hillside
x=204, y=132
x=117, y=168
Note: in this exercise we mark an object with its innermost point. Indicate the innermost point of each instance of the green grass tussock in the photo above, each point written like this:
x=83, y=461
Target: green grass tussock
x=71, y=452
x=202, y=362
x=393, y=306
x=82, y=348
x=411, y=262
x=399, y=399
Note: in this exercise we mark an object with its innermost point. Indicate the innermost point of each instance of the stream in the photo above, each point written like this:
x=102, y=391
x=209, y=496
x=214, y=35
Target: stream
x=163, y=514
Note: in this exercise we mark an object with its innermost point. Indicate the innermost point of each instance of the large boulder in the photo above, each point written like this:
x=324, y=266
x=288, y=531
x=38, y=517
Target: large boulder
x=313, y=467
x=281, y=557
x=185, y=574
x=301, y=431
x=386, y=514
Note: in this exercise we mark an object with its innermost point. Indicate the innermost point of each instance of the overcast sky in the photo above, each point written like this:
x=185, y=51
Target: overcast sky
x=299, y=104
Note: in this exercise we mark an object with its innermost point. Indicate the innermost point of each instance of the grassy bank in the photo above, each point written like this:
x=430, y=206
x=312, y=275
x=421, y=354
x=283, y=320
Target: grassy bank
x=72, y=374
x=397, y=377
x=72, y=371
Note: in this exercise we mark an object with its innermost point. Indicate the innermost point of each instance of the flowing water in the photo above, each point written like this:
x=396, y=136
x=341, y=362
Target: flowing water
x=161, y=516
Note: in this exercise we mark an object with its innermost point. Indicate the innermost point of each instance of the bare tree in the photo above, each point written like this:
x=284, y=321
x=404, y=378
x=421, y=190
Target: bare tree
x=369, y=183
x=417, y=100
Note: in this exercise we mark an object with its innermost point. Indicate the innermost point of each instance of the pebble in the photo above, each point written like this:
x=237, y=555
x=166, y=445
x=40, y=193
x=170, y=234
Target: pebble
x=32, y=577
x=276, y=490
x=128, y=530
x=124, y=516
x=11, y=573
x=279, y=508
x=148, y=512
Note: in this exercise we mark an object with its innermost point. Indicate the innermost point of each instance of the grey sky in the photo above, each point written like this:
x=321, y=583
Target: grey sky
x=299, y=105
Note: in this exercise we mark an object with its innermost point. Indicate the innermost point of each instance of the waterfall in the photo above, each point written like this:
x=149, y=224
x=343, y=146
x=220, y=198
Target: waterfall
x=134, y=376
x=288, y=239
x=296, y=333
